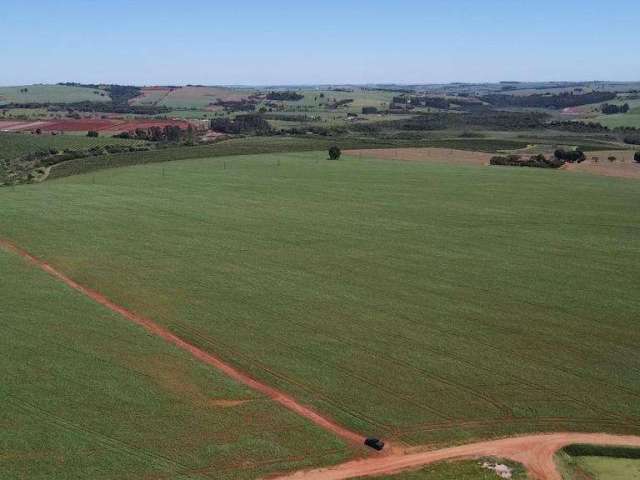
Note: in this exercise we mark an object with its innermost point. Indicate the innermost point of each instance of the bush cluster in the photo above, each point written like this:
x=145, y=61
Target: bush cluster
x=248, y=124
x=285, y=96
x=571, y=156
x=537, y=161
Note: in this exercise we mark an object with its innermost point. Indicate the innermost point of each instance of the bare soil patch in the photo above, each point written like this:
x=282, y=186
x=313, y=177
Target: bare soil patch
x=432, y=155
x=622, y=166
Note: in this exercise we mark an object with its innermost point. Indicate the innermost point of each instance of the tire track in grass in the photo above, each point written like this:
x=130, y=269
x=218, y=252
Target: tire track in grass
x=223, y=349
x=155, y=329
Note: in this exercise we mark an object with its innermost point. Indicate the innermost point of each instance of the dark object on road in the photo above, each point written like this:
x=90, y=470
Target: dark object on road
x=374, y=443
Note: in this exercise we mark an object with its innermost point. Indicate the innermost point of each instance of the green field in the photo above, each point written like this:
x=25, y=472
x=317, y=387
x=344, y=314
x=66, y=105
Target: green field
x=13, y=145
x=603, y=468
x=86, y=394
x=51, y=94
x=619, y=120
x=459, y=470
x=593, y=462
x=192, y=97
x=419, y=302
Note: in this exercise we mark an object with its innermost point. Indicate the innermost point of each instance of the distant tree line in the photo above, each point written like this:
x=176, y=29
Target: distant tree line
x=289, y=96
x=253, y=124
x=242, y=105
x=168, y=133
x=559, y=101
x=609, y=109
x=488, y=119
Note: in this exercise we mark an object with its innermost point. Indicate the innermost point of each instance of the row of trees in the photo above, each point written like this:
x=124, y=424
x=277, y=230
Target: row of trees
x=168, y=133
x=289, y=96
x=537, y=161
x=562, y=100
x=609, y=109
x=246, y=124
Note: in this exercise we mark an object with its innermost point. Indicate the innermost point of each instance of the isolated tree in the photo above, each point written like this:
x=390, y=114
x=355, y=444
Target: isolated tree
x=92, y=133
x=334, y=153
x=612, y=158
x=636, y=157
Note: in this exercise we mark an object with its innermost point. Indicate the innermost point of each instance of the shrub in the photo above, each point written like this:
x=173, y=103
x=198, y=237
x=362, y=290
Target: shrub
x=92, y=133
x=285, y=96
x=537, y=161
x=334, y=153
x=571, y=156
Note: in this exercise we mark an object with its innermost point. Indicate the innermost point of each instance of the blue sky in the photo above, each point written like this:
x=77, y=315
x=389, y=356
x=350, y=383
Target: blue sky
x=287, y=42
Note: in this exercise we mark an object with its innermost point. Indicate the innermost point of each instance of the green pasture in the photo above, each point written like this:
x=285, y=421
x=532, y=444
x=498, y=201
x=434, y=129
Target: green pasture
x=427, y=303
x=51, y=94
x=86, y=394
x=593, y=462
x=13, y=145
x=604, y=468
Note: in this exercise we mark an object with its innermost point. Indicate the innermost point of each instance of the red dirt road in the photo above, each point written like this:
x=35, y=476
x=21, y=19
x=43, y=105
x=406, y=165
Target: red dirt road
x=205, y=357
x=535, y=452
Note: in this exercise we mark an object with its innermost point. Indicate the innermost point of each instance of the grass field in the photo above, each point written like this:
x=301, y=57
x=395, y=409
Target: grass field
x=253, y=145
x=192, y=97
x=51, y=94
x=603, y=468
x=85, y=394
x=460, y=470
x=599, y=463
x=619, y=120
x=502, y=300
x=13, y=145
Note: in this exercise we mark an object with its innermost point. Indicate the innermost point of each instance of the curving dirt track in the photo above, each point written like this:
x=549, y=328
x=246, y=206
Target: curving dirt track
x=535, y=452
x=280, y=397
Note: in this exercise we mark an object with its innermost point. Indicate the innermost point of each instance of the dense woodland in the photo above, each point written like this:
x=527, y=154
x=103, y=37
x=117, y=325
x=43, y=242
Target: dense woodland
x=563, y=100
x=289, y=96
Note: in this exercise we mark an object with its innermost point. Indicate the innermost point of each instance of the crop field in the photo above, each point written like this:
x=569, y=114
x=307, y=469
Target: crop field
x=85, y=394
x=631, y=119
x=13, y=145
x=361, y=98
x=420, y=302
x=51, y=94
x=191, y=97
